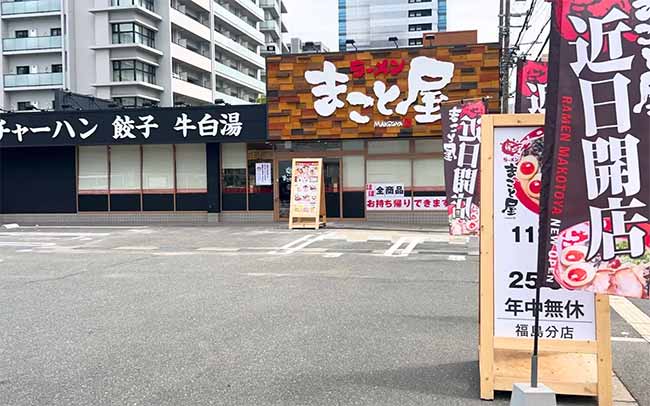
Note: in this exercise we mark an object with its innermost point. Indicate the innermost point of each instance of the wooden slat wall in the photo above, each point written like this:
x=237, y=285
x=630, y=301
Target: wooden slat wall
x=291, y=115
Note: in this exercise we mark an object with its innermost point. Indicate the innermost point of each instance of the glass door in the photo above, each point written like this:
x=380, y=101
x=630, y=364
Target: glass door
x=284, y=188
x=332, y=173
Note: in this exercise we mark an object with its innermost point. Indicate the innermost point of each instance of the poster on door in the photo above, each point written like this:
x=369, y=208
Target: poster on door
x=263, y=174
x=564, y=315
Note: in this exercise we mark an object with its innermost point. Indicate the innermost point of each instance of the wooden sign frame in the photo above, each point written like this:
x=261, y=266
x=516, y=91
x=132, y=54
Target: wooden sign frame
x=568, y=367
x=297, y=220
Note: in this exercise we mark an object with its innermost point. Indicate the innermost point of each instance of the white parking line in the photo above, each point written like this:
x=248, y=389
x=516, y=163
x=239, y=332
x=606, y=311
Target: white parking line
x=136, y=248
x=332, y=255
x=25, y=244
x=305, y=244
x=632, y=315
x=49, y=234
x=629, y=339
x=393, y=248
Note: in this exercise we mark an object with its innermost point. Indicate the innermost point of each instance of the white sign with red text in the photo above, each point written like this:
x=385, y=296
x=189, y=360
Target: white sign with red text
x=390, y=196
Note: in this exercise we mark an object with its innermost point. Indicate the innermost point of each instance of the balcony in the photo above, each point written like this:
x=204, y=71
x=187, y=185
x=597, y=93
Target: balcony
x=238, y=77
x=233, y=100
x=271, y=27
x=45, y=44
x=30, y=7
x=271, y=6
x=237, y=49
x=237, y=23
x=190, y=89
x=33, y=80
x=253, y=9
x=191, y=57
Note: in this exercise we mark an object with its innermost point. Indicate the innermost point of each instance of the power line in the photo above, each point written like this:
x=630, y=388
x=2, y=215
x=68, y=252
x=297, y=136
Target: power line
x=525, y=27
x=542, y=49
x=538, y=36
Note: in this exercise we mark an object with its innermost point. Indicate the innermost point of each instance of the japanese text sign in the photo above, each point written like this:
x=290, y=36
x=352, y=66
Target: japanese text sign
x=461, y=143
x=563, y=315
x=595, y=225
x=392, y=197
x=532, y=81
x=396, y=92
x=305, y=188
x=134, y=126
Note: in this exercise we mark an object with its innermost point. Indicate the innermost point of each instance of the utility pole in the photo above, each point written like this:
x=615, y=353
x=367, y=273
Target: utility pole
x=504, y=39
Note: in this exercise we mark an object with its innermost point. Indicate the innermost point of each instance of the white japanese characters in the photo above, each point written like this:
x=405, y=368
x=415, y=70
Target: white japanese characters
x=427, y=77
x=604, y=68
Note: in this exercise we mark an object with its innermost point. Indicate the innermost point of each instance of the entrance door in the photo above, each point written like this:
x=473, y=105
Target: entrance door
x=332, y=172
x=284, y=188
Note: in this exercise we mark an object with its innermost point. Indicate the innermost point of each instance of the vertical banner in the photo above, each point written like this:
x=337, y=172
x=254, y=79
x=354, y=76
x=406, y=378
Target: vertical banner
x=532, y=81
x=594, y=226
x=461, y=129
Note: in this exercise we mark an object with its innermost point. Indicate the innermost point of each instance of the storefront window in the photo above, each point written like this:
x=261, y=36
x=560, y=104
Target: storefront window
x=125, y=169
x=127, y=166
x=353, y=172
x=233, y=163
x=389, y=171
x=158, y=168
x=428, y=173
x=93, y=170
x=191, y=169
x=353, y=145
x=424, y=146
x=388, y=147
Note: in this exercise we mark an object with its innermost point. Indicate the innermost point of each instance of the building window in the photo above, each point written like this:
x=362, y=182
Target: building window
x=22, y=70
x=133, y=70
x=233, y=164
x=420, y=27
x=148, y=4
x=142, y=178
x=415, y=41
x=24, y=105
x=57, y=68
x=132, y=33
x=420, y=13
x=55, y=32
x=22, y=34
x=134, y=101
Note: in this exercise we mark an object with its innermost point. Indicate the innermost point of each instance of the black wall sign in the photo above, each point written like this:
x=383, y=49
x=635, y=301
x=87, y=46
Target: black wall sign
x=135, y=126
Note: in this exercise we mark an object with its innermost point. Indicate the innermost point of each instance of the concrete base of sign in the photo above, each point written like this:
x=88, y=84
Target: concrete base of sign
x=525, y=395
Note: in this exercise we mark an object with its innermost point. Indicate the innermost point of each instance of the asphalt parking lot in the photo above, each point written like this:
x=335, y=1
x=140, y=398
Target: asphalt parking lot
x=236, y=315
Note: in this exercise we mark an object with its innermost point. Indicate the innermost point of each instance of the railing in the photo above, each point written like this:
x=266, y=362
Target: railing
x=30, y=6
x=268, y=26
x=148, y=4
x=31, y=43
x=33, y=79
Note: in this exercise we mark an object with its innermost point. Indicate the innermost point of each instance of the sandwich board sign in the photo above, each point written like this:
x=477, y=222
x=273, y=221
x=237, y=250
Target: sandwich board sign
x=574, y=328
x=307, y=208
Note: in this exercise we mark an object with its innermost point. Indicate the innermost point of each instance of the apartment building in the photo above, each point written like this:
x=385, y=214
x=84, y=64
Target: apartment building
x=136, y=52
x=370, y=23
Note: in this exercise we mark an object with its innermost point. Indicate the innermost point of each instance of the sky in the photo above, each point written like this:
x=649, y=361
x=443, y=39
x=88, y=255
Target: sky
x=317, y=20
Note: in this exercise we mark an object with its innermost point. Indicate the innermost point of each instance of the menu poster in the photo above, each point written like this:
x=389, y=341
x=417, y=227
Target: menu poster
x=595, y=227
x=263, y=174
x=517, y=182
x=305, y=188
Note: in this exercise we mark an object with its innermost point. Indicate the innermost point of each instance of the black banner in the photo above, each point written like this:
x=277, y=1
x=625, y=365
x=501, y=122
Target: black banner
x=461, y=129
x=594, y=227
x=134, y=126
x=532, y=81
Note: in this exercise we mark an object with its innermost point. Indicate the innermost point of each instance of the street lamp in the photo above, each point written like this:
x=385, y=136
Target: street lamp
x=394, y=40
x=351, y=42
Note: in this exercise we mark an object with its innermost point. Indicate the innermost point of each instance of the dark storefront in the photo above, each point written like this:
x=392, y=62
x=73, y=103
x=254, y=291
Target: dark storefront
x=156, y=160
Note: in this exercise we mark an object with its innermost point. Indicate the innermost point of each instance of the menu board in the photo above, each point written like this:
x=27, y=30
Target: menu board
x=307, y=194
x=564, y=315
x=263, y=174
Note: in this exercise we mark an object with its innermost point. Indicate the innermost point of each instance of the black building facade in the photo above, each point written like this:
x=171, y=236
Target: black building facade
x=154, y=160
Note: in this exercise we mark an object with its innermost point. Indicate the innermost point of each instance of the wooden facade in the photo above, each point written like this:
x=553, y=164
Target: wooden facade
x=291, y=113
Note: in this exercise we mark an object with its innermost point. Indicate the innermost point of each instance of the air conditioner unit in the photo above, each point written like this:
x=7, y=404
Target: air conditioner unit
x=33, y=69
x=183, y=76
x=182, y=8
x=33, y=32
x=34, y=103
x=182, y=42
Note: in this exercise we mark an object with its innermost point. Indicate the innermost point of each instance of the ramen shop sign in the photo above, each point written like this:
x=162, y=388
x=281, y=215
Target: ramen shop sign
x=387, y=104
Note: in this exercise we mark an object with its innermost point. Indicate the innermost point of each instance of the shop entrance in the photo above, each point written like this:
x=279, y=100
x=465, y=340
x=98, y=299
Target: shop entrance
x=332, y=178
